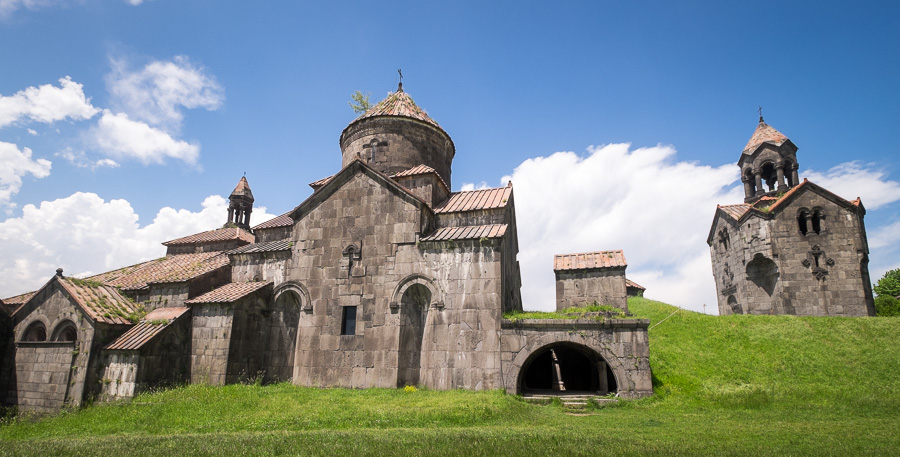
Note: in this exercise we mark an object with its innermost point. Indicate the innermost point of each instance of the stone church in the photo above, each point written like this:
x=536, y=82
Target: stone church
x=383, y=277
x=792, y=247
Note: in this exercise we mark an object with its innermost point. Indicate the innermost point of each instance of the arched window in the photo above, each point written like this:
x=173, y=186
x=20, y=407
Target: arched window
x=801, y=222
x=770, y=176
x=789, y=173
x=817, y=221
x=65, y=331
x=751, y=182
x=35, y=332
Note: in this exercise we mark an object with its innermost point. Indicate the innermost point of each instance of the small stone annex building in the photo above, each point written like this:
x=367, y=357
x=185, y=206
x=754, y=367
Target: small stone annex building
x=792, y=247
x=383, y=277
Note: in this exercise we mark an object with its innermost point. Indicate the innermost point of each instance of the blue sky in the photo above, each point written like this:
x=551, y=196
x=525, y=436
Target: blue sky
x=217, y=89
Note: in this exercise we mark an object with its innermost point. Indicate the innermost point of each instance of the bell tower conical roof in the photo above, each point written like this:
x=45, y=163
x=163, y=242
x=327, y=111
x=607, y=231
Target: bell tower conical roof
x=768, y=163
x=240, y=205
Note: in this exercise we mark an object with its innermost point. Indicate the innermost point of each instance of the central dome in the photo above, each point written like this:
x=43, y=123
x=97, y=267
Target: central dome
x=396, y=135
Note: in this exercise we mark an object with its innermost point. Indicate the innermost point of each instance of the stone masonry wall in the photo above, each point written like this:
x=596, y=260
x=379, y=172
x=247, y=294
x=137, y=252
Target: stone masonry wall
x=622, y=344
x=580, y=287
x=265, y=266
x=210, y=342
x=404, y=143
x=44, y=372
x=769, y=266
x=54, y=309
x=461, y=319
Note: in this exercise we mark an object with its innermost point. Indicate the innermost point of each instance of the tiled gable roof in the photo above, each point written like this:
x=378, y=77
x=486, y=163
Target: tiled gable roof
x=283, y=220
x=151, y=325
x=473, y=232
x=764, y=133
x=630, y=283
x=421, y=170
x=589, y=260
x=735, y=211
x=212, y=236
x=230, y=292
x=472, y=200
x=13, y=304
x=101, y=302
x=398, y=104
x=173, y=268
x=271, y=246
x=321, y=182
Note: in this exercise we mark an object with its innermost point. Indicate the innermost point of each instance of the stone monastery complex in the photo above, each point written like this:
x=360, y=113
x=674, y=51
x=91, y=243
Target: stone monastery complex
x=384, y=277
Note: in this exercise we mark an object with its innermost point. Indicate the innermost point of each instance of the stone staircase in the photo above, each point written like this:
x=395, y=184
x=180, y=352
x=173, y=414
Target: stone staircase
x=571, y=402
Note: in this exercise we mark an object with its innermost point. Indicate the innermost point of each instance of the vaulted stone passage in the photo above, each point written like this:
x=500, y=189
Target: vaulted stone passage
x=413, y=313
x=566, y=368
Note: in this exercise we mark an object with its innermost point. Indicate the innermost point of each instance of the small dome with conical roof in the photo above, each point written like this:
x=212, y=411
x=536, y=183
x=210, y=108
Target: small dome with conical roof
x=396, y=135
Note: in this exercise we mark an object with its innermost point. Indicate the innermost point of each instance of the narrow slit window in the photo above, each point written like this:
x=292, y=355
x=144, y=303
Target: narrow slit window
x=348, y=321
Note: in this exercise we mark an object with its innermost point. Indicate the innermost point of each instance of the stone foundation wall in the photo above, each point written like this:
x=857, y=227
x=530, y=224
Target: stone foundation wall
x=622, y=344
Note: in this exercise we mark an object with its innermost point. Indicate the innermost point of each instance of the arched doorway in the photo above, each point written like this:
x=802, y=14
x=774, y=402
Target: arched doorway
x=566, y=369
x=414, y=305
x=284, y=321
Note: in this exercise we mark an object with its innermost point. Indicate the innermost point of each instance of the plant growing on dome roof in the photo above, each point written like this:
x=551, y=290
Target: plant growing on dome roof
x=360, y=102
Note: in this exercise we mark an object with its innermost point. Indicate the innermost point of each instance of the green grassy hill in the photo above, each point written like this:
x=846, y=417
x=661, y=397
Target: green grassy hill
x=737, y=385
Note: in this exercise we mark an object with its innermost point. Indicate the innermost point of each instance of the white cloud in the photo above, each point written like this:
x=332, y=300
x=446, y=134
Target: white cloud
x=79, y=159
x=120, y=137
x=7, y=7
x=157, y=93
x=852, y=179
x=466, y=186
x=32, y=132
x=47, y=103
x=656, y=210
x=134, y=2
x=14, y=164
x=85, y=234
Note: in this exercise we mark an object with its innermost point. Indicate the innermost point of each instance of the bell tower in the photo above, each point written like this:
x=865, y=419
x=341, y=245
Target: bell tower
x=240, y=205
x=768, y=163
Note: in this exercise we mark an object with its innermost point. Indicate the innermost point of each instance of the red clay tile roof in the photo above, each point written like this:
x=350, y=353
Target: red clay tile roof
x=630, y=283
x=242, y=189
x=101, y=302
x=421, y=170
x=229, y=292
x=212, y=236
x=735, y=211
x=472, y=200
x=473, y=232
x=173, y=268
x=114, y=274
x=279, y=221
x=19, y=299
x=271, y=246
x=317, y=184
x=589, y=260
x=764, y=133
x=151, y=325
x=398, y=104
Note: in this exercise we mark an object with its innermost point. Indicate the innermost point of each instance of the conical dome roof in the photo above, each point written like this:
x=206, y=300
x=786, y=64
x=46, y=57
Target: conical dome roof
x=400, y=104
x=764, y=133
x=242, y=189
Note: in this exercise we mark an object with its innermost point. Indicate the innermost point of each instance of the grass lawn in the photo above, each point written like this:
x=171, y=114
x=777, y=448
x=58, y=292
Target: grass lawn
x=736, y=385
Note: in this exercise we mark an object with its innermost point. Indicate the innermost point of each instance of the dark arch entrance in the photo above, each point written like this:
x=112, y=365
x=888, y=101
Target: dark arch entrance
x=413, y=313
x=566, y=369
x=65, y=331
